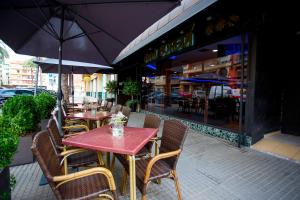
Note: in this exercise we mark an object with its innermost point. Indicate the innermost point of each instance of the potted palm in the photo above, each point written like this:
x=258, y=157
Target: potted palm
x=21, y=111
x=131, y=88
x=111, y=88
x=8, y=145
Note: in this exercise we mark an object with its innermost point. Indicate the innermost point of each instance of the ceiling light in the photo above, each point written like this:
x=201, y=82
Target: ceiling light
x=212, y=65
x=215, y=50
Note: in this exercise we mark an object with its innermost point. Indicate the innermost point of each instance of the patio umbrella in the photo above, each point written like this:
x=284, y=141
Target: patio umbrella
x=49, y=65
x=93, y=31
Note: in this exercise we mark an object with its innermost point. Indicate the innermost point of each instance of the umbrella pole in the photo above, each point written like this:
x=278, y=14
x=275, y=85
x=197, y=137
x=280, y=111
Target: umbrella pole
x=72, y=82
x=36, y=79
x=59, y=70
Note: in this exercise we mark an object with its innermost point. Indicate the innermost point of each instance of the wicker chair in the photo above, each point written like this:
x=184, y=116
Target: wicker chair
x=71, y=157
x=162, y=165
x=115, y=109
x=151, y=121
x=109, y=106
x=70, y=125
x=87, y=184
x=126, y=111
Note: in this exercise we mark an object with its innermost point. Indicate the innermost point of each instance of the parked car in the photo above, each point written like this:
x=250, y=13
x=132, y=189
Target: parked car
x=8, y=93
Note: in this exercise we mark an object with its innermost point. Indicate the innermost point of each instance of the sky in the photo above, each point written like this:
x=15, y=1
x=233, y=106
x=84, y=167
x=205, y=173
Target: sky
x=15, y=56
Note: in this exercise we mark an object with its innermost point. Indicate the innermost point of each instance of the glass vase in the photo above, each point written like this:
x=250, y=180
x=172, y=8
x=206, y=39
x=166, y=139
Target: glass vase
x=117, y=130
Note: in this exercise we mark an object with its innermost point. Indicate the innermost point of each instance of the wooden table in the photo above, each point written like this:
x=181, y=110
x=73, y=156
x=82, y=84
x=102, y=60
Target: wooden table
x=102, y=140
x=98, y=117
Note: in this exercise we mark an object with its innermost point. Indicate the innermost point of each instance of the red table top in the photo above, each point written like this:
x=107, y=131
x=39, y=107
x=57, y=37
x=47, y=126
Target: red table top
x=101, y=139
x=88, y=115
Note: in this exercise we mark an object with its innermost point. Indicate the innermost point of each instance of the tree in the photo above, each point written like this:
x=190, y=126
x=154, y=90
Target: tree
x=3, y=52
x=131, y=88
x=111, y=87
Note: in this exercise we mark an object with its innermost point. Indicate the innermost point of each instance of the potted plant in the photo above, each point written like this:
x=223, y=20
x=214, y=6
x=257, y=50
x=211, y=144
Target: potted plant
x=21, y=111
x=8, y=145
x=111, y=88
x=45, y=103
x=131, y=88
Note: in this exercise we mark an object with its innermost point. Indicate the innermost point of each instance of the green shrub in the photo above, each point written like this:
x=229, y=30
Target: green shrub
x=45, y=103
x=8, y=141
x=21, y=111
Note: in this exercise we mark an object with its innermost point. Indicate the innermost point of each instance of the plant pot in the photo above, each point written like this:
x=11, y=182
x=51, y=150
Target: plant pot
x=23, y=154
x=133, y=107
x=5, y=183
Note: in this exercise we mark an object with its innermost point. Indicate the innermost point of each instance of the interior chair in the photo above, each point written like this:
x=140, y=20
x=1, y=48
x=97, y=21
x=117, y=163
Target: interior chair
x=162, y=165
x=71, y=157
x=92, y=183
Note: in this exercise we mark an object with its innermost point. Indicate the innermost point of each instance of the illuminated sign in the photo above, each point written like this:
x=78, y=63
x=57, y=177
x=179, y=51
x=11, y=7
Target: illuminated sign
x=179, y=44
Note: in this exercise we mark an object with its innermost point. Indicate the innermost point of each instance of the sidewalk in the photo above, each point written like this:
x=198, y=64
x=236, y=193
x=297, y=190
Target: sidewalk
x=208, y=169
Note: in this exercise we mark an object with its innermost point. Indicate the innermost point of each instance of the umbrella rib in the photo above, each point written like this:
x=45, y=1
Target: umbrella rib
x=96, y=26
x=33, y=23
x=81, y=35
x=50, y=26
x=88, y=3
x=99, y=51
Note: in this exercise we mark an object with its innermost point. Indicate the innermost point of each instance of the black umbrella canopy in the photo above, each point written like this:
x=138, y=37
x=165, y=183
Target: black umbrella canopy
x=94, y=31
x=49, y=65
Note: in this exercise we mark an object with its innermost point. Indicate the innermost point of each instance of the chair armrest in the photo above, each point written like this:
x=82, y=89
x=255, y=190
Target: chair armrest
x=157, y=158
x=66, y=153
x=154, y=139
x=76, y=126
x=89, y=172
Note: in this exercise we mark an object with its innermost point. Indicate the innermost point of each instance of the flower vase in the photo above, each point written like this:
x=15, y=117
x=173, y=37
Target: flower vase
x=117, y=130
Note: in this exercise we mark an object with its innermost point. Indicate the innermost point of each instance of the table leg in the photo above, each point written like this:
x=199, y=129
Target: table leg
x=108, y=160
x=89, y=124
x=132, y=177
x=100, y=158
x=98, y=123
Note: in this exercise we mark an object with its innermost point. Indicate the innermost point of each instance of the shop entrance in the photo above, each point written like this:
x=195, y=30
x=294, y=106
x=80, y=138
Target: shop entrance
x=285, y=141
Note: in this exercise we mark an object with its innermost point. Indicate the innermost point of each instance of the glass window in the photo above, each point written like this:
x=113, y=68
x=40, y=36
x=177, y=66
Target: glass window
x=203, y=85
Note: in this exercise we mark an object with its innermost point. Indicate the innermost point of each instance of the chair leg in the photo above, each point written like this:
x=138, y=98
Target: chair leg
x=144, y=197
x=123, y=182
x=177, y=185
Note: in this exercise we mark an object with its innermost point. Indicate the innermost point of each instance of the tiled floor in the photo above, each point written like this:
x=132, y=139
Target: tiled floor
x=283, y=145
x=208, y=169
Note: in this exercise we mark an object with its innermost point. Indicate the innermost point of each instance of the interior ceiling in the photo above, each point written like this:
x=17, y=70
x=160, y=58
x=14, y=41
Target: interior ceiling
x=201, y=54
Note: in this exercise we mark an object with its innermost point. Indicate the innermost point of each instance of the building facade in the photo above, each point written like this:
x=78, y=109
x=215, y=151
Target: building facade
x=219, y=70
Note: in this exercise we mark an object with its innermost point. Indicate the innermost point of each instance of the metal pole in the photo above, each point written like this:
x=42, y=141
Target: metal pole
x=59, y=68
x=241, y=134
x=72, y=77
x=36, y=79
